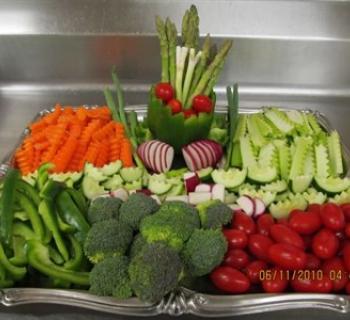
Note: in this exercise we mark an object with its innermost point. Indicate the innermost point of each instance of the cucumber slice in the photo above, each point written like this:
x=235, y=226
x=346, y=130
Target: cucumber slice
x=131, y=174
x=158, y=186
x=279, y=119
x=133, y=185
x=62, y=177
x=176, y=190
x=314, y=123
x=332, y=185
x=114, y=182
x=205, y=173
x=282, y=209
x=284, y=160
x=29, y=178
x=262, y=174
x=230, y=178
x=342, y=198
x=295, y=116
x=322, y=161
x=111, y=168
x=264, y=127
x=309, y=165
x=313, y=196
x=247, y=152
x=277, y=186
x=176, y=173
x=301, y=183
x=91, y=188
x=94, y=173
x=302, y=145
x=145, y=178
x=230, y=198
x=241, y=128
x=335, y=154
x=283, y=196
x=268, y=156
x=255, y=135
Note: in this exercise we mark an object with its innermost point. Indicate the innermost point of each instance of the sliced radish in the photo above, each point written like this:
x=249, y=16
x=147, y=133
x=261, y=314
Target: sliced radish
x=247, y=204
x=259, y=207
x=191, y=181
x=196, y=156
x=204, y=161
x=218, y=192
x=217, y=148
x=182, y=198
x=141, y=153
x=158, y=157
x=198, y=197
x=208, y=152
x=203, y=187
x=190, y=163
x=169, y=157
x=153, y=155
x=162, y=162
x=120, y=193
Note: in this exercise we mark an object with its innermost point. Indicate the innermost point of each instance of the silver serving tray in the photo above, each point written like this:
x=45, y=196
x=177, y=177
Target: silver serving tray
x=182, y=301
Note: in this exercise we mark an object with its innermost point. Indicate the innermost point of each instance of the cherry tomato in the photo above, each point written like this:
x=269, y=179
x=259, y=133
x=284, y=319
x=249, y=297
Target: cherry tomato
x=287, y=256
x=335, y=269
x=259, y=245
x=325, y=244
x=346, y=255
x=305, y=222
x=283, y=221
x=312, y=262
x=264, y=223
x=347, y=230
x=230, y=280
x=307, y=241
x=315, y=207
x=346, y=211
x=277, y=283
x=313, y=285
x=175, y=106
x=347, y=288
x=202, y=103
x=332, y=217
x=283, y=234
x=253, y=270
x=242, y=221
x=236, y=258
x=237, y=239
x=164, y=91
x=189, y=113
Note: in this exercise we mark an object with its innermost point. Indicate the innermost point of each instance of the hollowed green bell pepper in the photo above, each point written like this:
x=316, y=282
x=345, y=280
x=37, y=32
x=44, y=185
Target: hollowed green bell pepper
x=174, y=129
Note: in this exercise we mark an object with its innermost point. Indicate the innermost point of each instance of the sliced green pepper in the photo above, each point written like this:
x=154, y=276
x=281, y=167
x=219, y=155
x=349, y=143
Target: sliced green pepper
x=43, y=173
x=21, y=215
x=175, y=129
x=79, y=199
x=5, y=282
x=39, y=258
x=16, y=272
x=7, y=201
x=28, y=190
x=23, y=230
x=47, y=212
x=55, y=256
x=19, y=249
x=72, y=215
x=77, y=253
x=34, y=217
x=64, y=227
x=51, y=189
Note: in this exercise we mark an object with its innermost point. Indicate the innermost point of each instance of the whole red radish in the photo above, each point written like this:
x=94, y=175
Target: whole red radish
x=202, y=103
x=164, y=91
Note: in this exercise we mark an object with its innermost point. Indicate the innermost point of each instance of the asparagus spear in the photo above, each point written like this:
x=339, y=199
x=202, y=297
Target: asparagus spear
x=184, y=27
x=164, y=48
x=200, y=67
x=190, y=28
x=221, y=55
x=181, y=55
x=172, y=40
x=214, y=78
x=111, y=104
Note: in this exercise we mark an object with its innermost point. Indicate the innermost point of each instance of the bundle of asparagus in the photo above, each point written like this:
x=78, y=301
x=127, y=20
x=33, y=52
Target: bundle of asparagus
x=190, y=71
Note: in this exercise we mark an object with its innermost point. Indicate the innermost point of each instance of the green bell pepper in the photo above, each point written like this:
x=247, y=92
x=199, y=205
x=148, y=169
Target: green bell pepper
x=79, y=199
x=16, y=272
x=19, y=250
x=39, y=258
x=29, y=191
x=175, y=129
x=77, y=255
x=5, y=281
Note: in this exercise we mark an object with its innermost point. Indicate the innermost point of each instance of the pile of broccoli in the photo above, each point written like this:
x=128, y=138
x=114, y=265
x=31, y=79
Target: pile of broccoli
x=140, y=248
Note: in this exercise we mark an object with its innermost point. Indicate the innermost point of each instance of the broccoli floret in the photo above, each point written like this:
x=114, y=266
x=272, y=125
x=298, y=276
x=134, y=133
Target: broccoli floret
x=137, y=245
x=173, y=223
x=155, y=271
x=106, y=239
x=204, y=251
x=136, y=208
x=104, y=208
x=110, y=278
x=214, y=214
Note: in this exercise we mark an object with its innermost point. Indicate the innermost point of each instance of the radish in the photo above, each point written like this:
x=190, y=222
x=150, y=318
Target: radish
x=198, y=197
x=203, y=187
x=156, y=155
x=191, y=181
x=182, y=198
x=247, y=204
x=218, y=192
x=259, y=207
x=216, y=147
x=209, y=156
x=189, y=159
x=120, y=193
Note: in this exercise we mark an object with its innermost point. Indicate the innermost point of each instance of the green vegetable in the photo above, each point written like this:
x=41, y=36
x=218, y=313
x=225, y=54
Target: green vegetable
x=72, y=215
x=154, y=272
x=106, y=239
x=214, y=214
x=49, y=215
x=173, y=223
x=29, y=191
x=204, y=251
x=22, y=230
x=111, y=104
x=43, y=173
x=7, y=204
x=78, y=198
x=77, y=253
x=19, y=250
x=110, y=278
x=5, y=279
x=16, y=272
x=104, y=208
x=171, y=33
x=164, y=47
x=137, y=207
x=39, y=259
x=137, y=245
x=51, y=189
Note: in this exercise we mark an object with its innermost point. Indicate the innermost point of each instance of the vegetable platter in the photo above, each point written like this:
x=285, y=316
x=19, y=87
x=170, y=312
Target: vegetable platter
x=179, y=206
